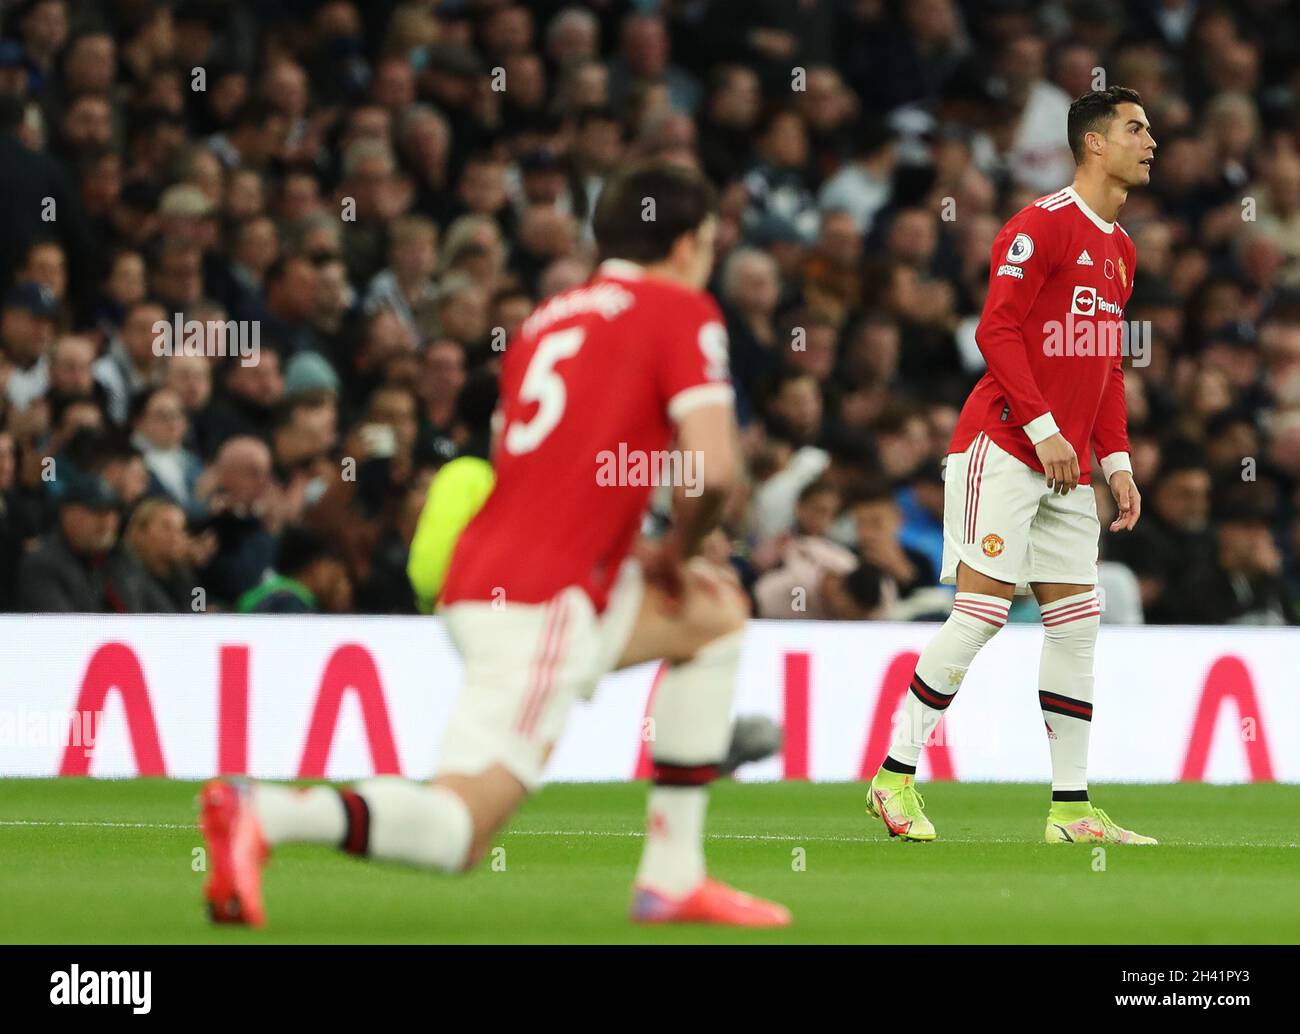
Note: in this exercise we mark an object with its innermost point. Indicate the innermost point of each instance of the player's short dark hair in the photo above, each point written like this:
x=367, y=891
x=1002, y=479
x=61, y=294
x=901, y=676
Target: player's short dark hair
x=1092, y=111
x=683, y=200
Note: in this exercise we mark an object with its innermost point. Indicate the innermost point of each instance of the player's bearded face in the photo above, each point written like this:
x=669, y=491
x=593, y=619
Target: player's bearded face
x=1130, y=148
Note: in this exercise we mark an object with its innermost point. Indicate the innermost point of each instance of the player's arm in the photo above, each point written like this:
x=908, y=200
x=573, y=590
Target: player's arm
x=695, y=387
x=1024, y=255
x=706, y=440
x=706, y=434
x=1110, y=432
x=1110, y=443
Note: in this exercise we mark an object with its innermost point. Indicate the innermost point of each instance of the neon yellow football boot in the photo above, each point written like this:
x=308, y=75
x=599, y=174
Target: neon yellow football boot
x=893, y=799
x=1073, y=824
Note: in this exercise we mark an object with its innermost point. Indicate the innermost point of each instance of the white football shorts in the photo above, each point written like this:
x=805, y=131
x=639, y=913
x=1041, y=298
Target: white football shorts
x=1001, y=519
x=524, y=665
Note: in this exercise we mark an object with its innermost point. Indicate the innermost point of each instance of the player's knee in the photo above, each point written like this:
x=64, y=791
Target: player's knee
x=1078, y=636
x=978, y=618
x=715, y=624
x=1073, y=622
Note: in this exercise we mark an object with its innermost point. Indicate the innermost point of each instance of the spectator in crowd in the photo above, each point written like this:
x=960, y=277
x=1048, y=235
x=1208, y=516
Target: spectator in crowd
x=20, y=521
x=727, y=125
x=864, y=594
x=1172, y=551
x=242, y=500
x=878, y=522
x=37, y=198
x=156, y=538
x=863, y=186
x=1249, y=587
x=160, y=428
x=308, y=579
x=406, y=286
x=27, y=330
x=820, y=503
x=796, y=588
x=247, y=404
x=190, y=376
x=644, y=59
x=776, y=185
x=131, y=363
x=68, y=572
x=751, y=289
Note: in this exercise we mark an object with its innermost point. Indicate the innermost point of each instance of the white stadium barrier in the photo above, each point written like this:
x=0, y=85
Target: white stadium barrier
x=343, y=697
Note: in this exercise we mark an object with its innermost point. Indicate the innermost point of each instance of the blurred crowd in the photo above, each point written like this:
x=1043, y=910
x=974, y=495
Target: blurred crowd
x=386, y=189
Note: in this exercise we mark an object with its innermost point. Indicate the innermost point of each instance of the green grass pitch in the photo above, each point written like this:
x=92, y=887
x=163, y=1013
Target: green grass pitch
x=98, y=861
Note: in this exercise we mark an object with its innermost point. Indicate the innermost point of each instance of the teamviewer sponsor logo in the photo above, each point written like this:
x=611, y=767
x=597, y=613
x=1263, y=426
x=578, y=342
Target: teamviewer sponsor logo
x=638, y=468
x=1086, y=303
x=101, y=987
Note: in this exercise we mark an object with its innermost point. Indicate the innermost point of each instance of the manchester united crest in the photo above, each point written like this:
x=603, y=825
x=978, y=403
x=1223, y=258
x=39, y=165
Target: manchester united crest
x=1123, y=273
x=993, y=545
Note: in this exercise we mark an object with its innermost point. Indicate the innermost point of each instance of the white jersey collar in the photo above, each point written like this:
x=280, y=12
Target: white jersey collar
x=1097, y=220
x=622, y=268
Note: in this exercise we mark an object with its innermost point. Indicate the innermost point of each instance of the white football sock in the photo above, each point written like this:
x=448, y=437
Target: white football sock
x=313, y=815
x=692, y=729
x=975, y=619
x=1065, y=685
x=416, y=823
x=673, y=859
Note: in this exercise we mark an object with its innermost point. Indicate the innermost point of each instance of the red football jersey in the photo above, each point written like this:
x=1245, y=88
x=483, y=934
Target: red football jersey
x=592, y=385
x=1059, y=279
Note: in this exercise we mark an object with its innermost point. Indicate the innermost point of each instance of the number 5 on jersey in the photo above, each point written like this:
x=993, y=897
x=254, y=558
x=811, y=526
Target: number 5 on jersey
x=544, y=386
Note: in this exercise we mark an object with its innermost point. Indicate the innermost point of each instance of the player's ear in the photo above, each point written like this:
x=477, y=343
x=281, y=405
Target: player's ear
x=684, y=248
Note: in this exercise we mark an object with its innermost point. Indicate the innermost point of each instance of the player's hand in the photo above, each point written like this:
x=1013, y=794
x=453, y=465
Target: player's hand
x=663, y=567
x=1127, y=498
x=1060, y=463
